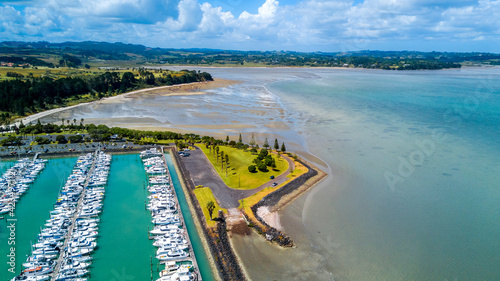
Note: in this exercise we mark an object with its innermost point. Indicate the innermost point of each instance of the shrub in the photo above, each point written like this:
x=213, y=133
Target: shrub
x=61, y=139
x=262, y=167
x=252, y=169
x=75, y=138
x=41, y=140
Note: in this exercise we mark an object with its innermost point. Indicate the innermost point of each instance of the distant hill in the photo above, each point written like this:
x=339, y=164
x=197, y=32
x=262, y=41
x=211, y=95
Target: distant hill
x=90, y=51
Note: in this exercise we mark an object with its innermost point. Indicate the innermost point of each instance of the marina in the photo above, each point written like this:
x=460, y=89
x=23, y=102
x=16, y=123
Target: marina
x=170, y=236
x=64, y=244
x=126, y=212
x=16, y=180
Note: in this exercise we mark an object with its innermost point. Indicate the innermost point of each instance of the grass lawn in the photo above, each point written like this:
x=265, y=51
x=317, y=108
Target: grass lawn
x=205, y=195
x=248, y=202
x=238, y=175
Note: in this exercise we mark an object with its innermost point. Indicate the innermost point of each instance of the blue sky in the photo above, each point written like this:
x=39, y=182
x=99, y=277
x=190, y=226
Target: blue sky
x=297, y=25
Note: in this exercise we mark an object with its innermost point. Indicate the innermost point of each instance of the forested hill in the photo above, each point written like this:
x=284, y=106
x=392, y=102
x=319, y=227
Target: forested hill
x=24, y=95
x=93, y=53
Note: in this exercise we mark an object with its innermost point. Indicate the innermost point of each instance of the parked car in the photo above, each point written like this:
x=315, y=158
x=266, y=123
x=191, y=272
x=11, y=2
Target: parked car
x=275, y=183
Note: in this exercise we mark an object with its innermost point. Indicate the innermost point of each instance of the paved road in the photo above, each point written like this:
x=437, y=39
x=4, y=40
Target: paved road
x=203, y=173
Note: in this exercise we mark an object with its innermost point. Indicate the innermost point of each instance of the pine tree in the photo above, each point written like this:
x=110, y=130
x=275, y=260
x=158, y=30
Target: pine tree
x=276, y=145
x=266, y=144
x=283, y=148
x=227, y=138
x=240, y=140
x=252, y=140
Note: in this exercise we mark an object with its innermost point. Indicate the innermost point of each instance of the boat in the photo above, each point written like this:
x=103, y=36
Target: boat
x=173, y=255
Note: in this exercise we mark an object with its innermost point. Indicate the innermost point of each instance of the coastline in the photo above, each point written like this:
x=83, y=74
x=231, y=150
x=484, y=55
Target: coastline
x=181, y=89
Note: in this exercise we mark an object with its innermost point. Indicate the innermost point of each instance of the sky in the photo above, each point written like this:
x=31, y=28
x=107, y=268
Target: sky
x=292, y=25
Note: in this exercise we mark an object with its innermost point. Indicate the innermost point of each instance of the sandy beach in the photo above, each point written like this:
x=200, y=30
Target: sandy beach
x=184, y=89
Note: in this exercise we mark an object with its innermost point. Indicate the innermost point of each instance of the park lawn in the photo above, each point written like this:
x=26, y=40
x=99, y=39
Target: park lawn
x=248, y=202
x=238, y=176
x=205, y=195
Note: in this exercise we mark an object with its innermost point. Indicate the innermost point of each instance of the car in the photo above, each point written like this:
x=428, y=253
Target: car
x=185, y=154
x=275, y=183
x=271, y=177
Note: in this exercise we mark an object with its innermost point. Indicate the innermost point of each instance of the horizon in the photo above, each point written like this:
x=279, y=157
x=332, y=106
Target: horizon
x=291, y=25
x=252, y=50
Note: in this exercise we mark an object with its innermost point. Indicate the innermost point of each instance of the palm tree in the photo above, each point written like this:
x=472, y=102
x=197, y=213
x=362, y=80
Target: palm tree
x=210, y=207
x=62, y=121
x=222, y=159
x=217, y=153
x=227, y=162
x=74, y=121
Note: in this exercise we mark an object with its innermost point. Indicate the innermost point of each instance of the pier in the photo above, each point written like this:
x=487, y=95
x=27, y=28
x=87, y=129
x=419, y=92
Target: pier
x=192, y=256
x=67, y=238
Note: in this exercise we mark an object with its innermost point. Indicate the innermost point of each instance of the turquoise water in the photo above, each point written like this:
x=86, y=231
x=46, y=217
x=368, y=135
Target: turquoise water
x=201, y=255
x=415, y=158
x=31, y=212
x=124, y=250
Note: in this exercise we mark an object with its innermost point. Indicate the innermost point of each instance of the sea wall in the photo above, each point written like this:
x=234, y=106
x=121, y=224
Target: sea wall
x=270, y=200
x=218, y=241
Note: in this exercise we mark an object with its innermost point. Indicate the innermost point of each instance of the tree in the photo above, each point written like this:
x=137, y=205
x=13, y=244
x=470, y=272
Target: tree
x=62, y=121
x=217, y=153
x=252, y=141
x=210, y=208
x=262, y=167
x=276, y=145
x=222, y=159
x=240, y=139
x=81, y=122
x=227, y=162
x=61, y=139
x=227, y=138
x=266, y=144
x=252, y=169
x=283, y=147
x=74, y=121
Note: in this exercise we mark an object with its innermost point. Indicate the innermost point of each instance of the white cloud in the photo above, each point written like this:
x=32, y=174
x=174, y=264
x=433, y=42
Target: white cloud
x=306, y=25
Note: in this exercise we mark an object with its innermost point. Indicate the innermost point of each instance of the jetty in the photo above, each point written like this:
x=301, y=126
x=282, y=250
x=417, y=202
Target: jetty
x=192, y=257
x=68, y=236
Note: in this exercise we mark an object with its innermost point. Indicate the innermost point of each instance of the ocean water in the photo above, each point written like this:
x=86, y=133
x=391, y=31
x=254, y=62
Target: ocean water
x=413, y=161
x=416, y=172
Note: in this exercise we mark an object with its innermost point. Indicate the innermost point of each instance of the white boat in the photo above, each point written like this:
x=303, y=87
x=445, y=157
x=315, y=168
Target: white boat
x=166, y=229
x=37, y=271
x=31, y=278
x=173, y=255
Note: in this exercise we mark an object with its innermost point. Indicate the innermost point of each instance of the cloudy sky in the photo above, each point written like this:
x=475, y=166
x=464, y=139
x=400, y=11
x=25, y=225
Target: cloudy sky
x=307, y=25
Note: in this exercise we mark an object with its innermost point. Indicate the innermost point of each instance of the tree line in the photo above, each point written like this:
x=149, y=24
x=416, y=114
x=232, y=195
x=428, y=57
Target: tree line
x=22, y=96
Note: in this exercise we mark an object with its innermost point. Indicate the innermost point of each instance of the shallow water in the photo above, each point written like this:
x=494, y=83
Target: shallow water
x=414, y=157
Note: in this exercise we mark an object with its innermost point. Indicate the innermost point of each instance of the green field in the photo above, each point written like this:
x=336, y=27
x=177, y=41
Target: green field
x=238, y=175
x=205, y=195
